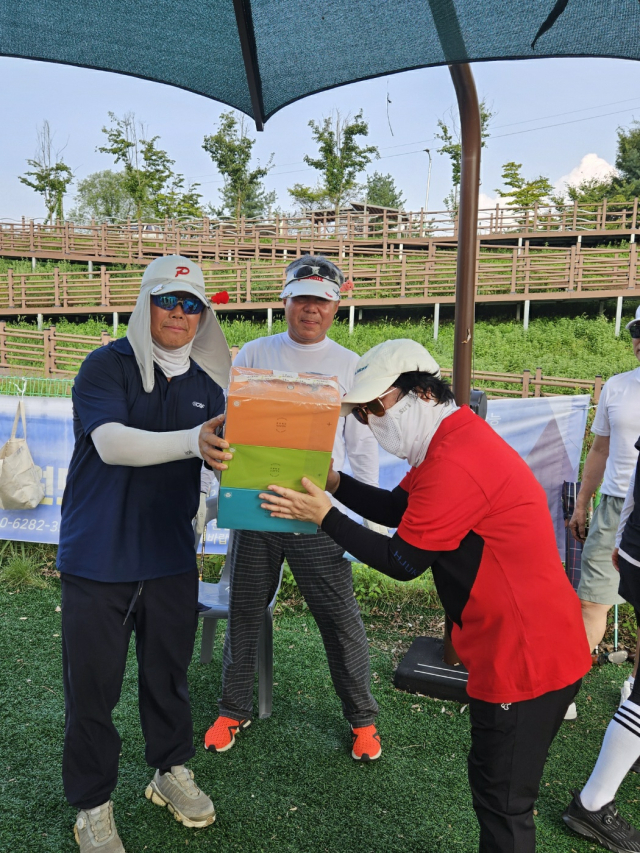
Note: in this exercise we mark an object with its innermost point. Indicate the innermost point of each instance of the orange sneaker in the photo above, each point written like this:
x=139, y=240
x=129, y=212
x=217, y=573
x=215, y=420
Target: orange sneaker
x=366, y=744
x=222, y=734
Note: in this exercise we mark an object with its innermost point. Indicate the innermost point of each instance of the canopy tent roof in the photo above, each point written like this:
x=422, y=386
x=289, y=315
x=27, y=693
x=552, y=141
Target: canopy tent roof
x=260, y=55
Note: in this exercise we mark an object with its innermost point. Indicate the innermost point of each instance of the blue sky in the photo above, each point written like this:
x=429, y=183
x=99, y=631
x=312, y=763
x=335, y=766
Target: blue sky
x=550, y=115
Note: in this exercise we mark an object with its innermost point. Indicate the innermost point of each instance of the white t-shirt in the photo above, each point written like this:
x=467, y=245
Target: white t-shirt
x=618, y=416
x=280, y=352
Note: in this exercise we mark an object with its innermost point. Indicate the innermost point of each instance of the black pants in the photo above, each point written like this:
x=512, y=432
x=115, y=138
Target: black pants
x=509, y=746
x=97, y=621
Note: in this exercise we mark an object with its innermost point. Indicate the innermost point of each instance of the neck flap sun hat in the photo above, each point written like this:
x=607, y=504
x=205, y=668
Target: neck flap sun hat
x=379, y=368
x=209, y=348
x=313, y=275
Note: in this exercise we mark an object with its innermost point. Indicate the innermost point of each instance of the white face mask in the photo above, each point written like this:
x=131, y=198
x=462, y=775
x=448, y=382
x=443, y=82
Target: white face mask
x=406, y=429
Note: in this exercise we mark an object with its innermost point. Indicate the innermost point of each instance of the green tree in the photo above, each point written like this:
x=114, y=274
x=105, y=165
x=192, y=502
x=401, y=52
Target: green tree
x=148, y=178
x=520, y=191
x=449, y=135
x=382, y=190
x=49, y=175
x=628, y=155
x=102, y=196
x=230, y=148
x=340, y=160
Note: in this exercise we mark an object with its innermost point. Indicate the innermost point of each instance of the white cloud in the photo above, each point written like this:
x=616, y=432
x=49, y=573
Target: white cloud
x=591, y=166
x=487, y=201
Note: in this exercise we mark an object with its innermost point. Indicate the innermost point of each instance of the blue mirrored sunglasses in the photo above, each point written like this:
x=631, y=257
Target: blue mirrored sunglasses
x=190, y=305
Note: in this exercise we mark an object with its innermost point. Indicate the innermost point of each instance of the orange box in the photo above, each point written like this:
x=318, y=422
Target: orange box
x=270, y=408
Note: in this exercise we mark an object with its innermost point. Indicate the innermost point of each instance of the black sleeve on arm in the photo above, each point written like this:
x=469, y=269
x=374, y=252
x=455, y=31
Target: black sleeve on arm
x=370, y=502
x=391, y=556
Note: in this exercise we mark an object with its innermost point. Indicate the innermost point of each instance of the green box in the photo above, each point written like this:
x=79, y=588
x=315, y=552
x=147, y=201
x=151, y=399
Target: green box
x=255, y=467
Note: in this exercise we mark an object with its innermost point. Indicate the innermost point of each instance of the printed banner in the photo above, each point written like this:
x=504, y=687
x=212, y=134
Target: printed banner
x=50, y=438
x=547, y=432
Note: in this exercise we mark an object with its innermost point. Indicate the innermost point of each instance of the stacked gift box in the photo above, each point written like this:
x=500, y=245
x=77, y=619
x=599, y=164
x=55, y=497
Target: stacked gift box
x=281, y=427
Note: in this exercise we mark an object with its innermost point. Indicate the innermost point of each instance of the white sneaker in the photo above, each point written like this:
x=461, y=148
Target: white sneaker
x=181, y=795
x=572, y=712
x=625, y=690
x=95, y=830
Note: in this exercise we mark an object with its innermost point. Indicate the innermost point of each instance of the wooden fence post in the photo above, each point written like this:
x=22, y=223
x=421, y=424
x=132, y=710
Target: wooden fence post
x=597, y=388
x=3, y=344
x=10, y=287
x=526, y=379
x=56, y=286
x=49, y=341
x=105, y=338
x=104, y=296
x=633, y=264
x=538, y=382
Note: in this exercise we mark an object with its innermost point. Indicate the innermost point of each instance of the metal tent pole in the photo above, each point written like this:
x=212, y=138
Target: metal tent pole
x=468, y=230
x=467, y=241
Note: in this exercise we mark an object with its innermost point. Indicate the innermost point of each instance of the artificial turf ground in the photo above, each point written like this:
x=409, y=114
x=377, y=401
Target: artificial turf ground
x=289, y=783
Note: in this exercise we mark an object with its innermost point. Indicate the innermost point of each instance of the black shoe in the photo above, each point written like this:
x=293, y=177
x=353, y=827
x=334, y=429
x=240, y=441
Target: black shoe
x=605, y=826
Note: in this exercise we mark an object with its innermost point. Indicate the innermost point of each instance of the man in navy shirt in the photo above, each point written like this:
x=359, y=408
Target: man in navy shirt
x=145, y=412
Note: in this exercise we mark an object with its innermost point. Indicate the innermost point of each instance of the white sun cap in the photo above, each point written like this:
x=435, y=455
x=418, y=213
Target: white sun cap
x=209, y=348
x=315, y=285
x=379, y=368
x=635, y=319
x=172, y=274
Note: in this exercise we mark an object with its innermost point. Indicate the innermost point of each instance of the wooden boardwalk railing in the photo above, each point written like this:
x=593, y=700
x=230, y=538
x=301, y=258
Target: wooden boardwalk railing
x=27, y=352
x=503, y=274
x=352, y=234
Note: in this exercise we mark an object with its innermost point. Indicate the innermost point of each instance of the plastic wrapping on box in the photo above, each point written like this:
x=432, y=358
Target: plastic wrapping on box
x=269, y=408
x=255, y=467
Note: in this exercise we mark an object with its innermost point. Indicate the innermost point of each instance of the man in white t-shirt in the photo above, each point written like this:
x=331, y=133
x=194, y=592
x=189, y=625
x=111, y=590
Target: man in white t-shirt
x=610, y=461
x=311, y=298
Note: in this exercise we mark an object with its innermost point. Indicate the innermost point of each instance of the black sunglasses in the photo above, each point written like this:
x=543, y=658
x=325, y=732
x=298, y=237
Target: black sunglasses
x=325, y=270
x=190, y=305
x=634, y=331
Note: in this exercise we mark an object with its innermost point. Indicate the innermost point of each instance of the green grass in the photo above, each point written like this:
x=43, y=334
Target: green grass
x=289, y=783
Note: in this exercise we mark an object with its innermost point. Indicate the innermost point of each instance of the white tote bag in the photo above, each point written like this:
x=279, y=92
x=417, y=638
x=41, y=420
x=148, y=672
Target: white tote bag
x=20, y=479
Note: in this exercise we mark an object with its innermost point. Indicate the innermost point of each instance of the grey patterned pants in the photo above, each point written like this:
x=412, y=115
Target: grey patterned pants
x=325, y=580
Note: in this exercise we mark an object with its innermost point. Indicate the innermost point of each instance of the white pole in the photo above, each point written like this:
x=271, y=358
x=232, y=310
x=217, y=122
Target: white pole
x=436, y=320
x=426, y=201
x=33, y=264
x=527, y=306
x=115, y=324
x=352, y=317
x=90, y=266
x=40, y=322
x=269, y=319
x=618, y=315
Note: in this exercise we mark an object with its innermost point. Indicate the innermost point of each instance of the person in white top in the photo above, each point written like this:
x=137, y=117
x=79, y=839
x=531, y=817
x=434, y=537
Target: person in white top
x=610, y=461
x=593, y=812
x=311, y=298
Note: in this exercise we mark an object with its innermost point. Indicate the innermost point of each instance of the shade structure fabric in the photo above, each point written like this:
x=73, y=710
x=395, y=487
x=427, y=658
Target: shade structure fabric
x=259, y=55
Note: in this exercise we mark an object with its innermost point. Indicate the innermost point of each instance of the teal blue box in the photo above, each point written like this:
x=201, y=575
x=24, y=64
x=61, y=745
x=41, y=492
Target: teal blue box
x=240, y=509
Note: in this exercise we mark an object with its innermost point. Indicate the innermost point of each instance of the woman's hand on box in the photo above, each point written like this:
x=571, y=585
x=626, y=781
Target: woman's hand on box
x=213, y=448
x=311, y=505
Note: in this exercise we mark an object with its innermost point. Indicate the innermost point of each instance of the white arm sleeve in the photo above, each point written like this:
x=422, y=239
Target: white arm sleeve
x=118, y=444
x=627, y=509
